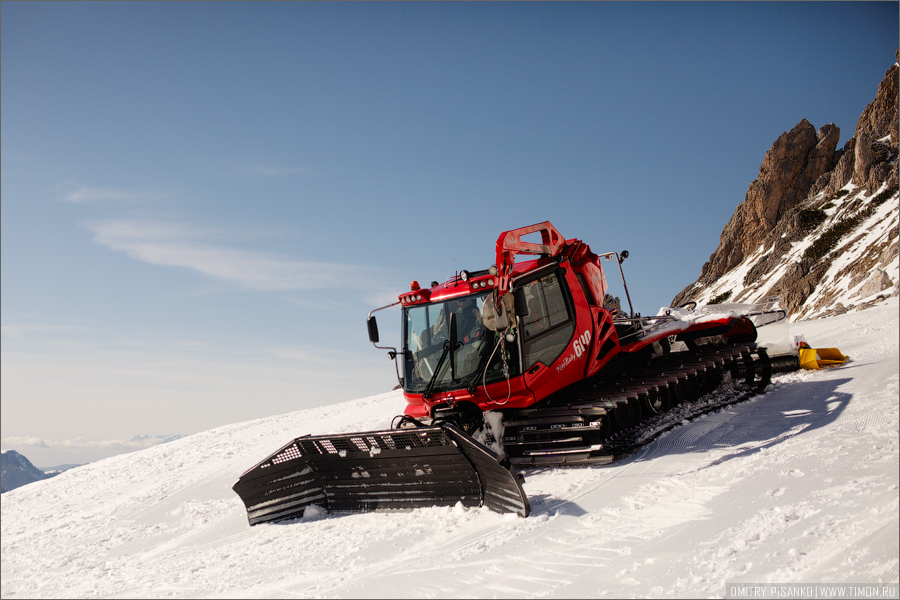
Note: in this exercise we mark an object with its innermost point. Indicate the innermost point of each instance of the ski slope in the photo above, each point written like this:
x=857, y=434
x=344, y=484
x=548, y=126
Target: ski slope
x=799, y=485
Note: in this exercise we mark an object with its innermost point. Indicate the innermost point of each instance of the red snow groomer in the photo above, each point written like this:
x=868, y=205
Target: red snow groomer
x=517, y=365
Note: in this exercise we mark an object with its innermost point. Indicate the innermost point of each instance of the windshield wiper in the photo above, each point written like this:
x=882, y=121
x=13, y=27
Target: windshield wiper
x=430, y=387
x=449, y=345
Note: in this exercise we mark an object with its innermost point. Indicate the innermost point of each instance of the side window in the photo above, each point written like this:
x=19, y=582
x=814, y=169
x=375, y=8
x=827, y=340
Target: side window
x=548, y=326
x=586, y=290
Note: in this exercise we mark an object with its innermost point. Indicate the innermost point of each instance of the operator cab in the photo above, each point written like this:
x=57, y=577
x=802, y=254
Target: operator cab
x=429, y=366
x=545, y=325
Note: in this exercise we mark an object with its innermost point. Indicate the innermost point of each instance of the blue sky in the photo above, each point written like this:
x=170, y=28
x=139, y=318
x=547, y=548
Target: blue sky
x=201, y=202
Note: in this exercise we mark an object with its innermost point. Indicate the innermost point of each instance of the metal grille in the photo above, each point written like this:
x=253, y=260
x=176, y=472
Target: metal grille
x=289, y=453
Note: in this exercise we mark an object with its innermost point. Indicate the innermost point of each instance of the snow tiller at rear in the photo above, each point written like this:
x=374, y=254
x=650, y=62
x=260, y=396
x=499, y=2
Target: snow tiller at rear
x=525, y=363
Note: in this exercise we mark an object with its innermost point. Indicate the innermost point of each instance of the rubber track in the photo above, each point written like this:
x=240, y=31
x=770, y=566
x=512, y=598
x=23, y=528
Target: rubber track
x=569, y=429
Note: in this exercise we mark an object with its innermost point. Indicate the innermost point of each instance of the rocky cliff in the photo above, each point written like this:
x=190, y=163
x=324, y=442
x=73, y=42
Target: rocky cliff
x=819, y=226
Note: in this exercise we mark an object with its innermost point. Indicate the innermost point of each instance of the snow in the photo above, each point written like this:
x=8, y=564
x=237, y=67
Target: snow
x=798, y=485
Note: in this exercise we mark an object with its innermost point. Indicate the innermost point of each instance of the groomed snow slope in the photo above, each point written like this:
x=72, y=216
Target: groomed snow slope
x=797, y=485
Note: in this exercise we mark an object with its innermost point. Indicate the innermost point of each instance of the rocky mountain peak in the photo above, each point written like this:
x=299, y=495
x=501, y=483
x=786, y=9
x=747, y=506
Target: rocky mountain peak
x=796, y=160
x=799, y=216
x=879, y=119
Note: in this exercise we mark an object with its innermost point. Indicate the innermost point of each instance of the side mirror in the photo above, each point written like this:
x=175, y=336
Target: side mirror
x=372, y=324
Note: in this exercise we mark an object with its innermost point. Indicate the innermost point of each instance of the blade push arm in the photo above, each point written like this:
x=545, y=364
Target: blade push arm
x=510, y=244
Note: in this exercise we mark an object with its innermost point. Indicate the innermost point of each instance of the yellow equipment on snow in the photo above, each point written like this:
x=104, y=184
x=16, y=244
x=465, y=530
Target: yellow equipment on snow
x=816, y=358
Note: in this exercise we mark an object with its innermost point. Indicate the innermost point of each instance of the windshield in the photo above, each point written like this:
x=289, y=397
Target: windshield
x=425, y=331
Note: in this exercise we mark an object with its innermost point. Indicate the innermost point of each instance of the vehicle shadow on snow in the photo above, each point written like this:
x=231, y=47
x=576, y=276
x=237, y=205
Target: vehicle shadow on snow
x=548, y=503
x=778, y=416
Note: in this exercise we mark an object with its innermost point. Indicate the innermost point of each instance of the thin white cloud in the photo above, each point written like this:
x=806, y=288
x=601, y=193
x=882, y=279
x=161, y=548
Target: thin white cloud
x=177, y=245
x=85, y=195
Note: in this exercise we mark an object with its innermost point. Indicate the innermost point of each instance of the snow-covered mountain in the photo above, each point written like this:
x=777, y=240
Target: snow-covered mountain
x=819, y=227
x=16, y=471
x=799, y=485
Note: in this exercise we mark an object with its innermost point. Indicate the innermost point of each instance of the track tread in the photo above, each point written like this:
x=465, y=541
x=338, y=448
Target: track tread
x=678, y=378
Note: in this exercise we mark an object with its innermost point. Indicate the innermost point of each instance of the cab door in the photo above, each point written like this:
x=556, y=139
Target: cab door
x=547, y=329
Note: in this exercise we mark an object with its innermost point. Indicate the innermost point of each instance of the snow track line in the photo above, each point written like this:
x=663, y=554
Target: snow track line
x=889, y=555
x=166, y=553
x=434, y=557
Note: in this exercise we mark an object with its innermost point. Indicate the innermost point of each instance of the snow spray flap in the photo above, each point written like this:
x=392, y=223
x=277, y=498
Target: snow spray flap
x=380, y=470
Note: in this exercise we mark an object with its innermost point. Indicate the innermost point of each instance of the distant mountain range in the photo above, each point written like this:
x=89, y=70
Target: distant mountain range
x=57, y=469
x=819, y=227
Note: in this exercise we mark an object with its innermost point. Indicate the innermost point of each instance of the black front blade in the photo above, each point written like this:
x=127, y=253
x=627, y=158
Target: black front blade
x=379, y=470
